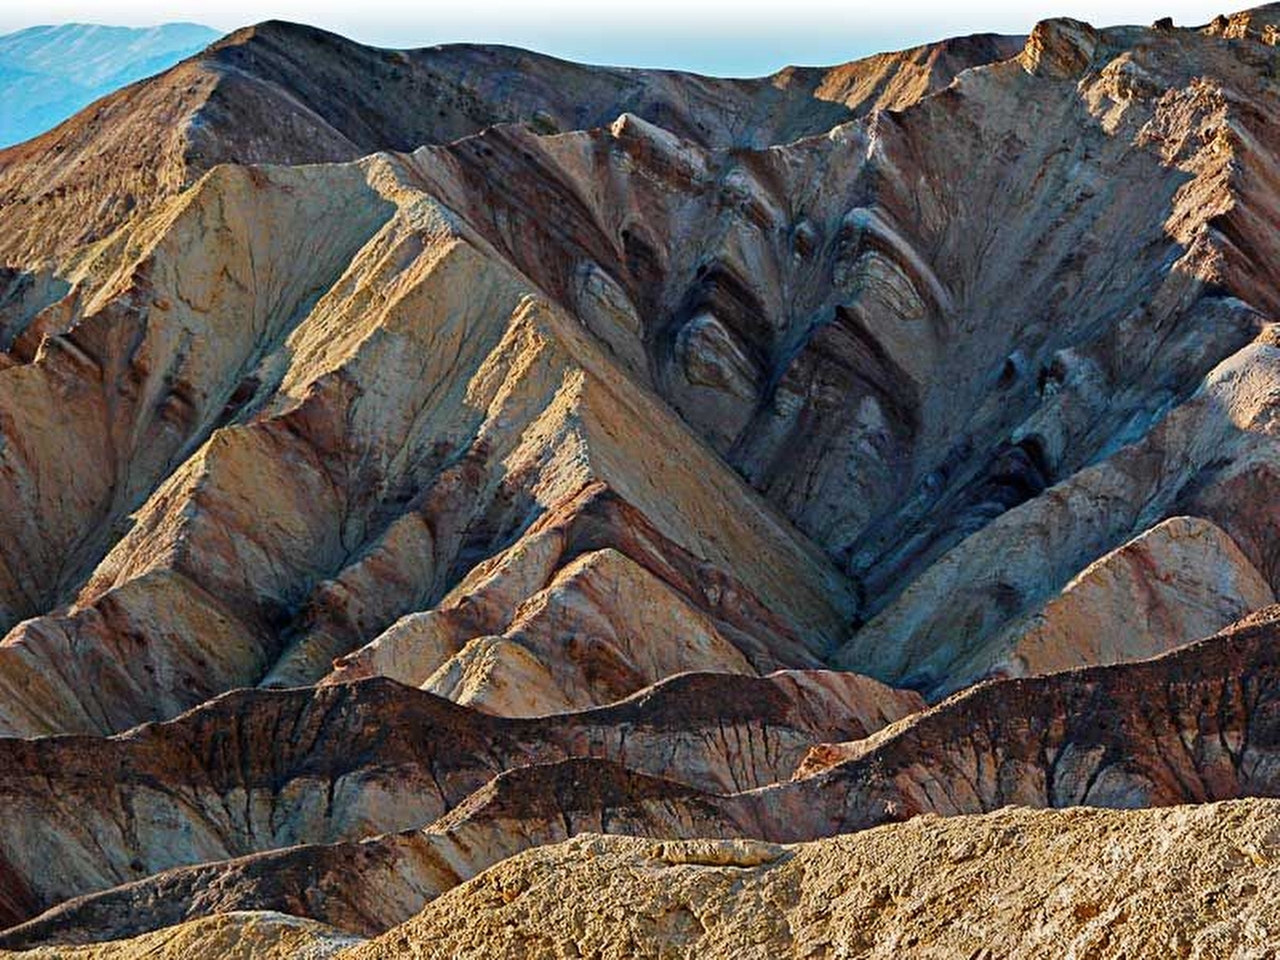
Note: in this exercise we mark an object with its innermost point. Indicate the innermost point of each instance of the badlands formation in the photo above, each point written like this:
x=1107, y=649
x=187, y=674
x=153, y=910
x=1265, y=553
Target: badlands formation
x=459, y=503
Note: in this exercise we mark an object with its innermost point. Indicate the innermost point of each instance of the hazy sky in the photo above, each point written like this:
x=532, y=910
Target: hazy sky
x=715, y=36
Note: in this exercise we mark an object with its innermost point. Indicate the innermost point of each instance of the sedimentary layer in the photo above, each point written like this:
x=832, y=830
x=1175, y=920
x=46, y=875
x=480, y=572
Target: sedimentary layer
x=412, y=460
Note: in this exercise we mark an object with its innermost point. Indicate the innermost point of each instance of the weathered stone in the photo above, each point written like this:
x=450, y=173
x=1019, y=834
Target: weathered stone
x=533, y=436
x=1199, y=881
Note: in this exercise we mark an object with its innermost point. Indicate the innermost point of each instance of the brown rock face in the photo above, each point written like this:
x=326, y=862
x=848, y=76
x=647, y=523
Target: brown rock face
x=1197, y=724
x=285, y=93
x=255, y=771
x=412, y=460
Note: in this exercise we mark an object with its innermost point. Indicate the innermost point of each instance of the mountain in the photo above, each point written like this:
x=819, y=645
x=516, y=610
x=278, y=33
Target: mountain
x=284, y=93
x=48, y=73
x=413, y=461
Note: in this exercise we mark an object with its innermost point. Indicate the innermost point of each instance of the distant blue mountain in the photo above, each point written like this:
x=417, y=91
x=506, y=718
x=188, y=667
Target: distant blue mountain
x=49, y=73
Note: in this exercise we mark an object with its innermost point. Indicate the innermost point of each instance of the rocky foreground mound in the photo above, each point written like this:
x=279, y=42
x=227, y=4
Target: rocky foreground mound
x=1187, y=881
x=411, y=461
x=1196, y=881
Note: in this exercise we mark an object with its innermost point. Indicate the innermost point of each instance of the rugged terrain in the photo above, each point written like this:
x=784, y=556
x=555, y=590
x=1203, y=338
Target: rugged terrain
x=411, y=461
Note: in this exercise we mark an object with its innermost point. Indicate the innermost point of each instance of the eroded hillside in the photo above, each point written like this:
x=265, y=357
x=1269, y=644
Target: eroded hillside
x=412, y=460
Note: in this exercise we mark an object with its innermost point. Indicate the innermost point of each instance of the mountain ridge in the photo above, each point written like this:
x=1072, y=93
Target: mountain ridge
x=413, y=460
x=256, y=70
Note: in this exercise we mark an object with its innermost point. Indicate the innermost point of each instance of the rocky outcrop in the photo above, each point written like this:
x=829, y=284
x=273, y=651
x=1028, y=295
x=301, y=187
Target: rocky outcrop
x=1061, y=49
x=1181, y=580
x=358, y=888
x=433, y=481
x=1147, y=464
x=265, y=936
x=287, y=93
x=440, y=466
x=369, y=886
x=506, y=444
x=1193, y=880
x=839, y=402
x=1195, y=725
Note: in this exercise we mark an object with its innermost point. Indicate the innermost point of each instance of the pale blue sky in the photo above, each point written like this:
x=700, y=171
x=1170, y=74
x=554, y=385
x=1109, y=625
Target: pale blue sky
x=714, y=36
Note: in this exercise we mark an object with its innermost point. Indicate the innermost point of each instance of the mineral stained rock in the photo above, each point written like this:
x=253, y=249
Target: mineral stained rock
x=360, y=759
x=411, y=461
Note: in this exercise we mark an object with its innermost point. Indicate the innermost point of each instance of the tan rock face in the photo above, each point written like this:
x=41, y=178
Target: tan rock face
x=266, y=936
x=1062, y=49
x=518, y=432
x=411, y=459
x=1180, y=581
x=1198, y=881
x=1193, y=879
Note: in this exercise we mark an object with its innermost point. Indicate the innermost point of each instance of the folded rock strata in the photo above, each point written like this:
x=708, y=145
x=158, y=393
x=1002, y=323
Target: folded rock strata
x=821, y=401
x=444, y=453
